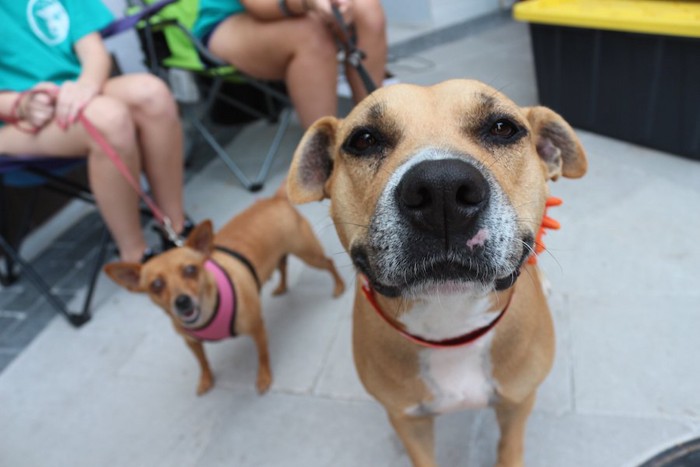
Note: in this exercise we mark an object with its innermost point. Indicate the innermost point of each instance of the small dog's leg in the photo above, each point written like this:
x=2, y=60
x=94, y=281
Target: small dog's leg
x=310, y=251
x=206, y=379
x=282, y=268
x=264, y=380
x=512, y=418
x=321, y=262
x=418, y=437
x=316, y=259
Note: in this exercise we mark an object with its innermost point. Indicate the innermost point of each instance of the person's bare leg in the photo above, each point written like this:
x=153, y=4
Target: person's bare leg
x=370, y=27
x=115, y=198
x=300, y=51
x=155, y=115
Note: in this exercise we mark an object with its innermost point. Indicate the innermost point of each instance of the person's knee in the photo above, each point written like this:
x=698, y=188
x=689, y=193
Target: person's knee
x=153, y=97
x=113, y=119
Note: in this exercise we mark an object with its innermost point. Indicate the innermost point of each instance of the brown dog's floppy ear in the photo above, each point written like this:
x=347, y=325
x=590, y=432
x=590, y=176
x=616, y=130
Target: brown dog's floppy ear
x=557, y=143
x=128, y=275
x=313, y=163
x=202, y=238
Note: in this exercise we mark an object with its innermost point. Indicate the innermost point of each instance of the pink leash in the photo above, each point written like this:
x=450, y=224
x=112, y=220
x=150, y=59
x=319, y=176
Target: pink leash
x=113, y=155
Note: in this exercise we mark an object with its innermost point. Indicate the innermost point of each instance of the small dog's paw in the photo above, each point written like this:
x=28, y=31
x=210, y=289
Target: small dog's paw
x=282, y=288
x=264, y=381
x=205, y=384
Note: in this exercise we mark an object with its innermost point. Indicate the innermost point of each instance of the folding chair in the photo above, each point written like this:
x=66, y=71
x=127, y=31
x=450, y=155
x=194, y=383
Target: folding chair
x=169, y=45
x=33, y=171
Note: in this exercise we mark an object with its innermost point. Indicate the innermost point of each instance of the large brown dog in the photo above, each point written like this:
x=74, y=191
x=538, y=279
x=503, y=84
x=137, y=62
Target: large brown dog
x=437, y=194
x=243, y=254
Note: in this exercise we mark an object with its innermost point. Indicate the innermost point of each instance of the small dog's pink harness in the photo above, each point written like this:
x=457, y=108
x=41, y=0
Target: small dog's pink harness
x=222, y=324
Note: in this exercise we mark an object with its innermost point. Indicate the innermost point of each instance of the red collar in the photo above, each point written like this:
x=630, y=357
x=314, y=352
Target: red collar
x=470, y=337
x=464, y=339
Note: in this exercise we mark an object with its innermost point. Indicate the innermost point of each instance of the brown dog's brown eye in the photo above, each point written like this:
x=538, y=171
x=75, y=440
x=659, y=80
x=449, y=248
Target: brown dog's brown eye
x=503, y=129
x=157, y=286
x=190, y=271
x=363, y=141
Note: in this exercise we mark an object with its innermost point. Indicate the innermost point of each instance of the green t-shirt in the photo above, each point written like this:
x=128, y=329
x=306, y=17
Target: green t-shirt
x=37, y=38
x=212, y=12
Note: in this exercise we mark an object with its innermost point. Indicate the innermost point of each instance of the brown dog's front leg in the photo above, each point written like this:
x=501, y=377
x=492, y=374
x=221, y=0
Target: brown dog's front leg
x=418, y=437
x=206, y=379
x=512, y=418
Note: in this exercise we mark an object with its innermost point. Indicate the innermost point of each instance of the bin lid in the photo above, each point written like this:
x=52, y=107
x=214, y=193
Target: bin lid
x=666, y=17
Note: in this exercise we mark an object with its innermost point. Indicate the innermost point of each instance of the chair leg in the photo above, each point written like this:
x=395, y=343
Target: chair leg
x=286, y=116
x=223, y=155
x=95, y=274
x=76, y=320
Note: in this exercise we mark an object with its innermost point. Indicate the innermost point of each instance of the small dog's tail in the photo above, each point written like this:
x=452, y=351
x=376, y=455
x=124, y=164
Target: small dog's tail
x=282, y=190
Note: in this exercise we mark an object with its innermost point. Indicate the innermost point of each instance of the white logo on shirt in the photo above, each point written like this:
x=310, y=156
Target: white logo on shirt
x=49, y=20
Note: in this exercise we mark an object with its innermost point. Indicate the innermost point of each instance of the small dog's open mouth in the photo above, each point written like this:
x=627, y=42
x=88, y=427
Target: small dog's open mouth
x=189, y=316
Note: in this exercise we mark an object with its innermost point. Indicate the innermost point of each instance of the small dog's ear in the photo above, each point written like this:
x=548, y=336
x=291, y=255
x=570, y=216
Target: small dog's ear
x=202, y=238
x=313, y=163
x=128, y=275
x=557, y=143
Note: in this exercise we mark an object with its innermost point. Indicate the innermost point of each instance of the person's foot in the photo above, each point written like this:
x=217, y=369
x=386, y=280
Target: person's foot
x=166, y=242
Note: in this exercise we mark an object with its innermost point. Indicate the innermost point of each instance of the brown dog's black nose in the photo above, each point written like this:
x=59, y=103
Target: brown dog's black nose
x=183, y=304
x=444, y=197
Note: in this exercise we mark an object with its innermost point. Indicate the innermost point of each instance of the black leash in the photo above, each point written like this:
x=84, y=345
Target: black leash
x=353, y=55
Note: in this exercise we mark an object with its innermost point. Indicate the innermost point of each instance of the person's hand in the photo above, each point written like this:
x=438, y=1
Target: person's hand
x=323, y=8
x=72, y=98
x=38, y=108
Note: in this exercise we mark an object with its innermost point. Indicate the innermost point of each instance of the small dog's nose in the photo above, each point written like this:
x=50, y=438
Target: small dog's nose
x=183, y=303
x=443, y=196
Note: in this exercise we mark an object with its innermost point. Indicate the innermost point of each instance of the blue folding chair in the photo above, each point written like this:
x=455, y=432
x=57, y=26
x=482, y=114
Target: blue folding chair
x=49, y=172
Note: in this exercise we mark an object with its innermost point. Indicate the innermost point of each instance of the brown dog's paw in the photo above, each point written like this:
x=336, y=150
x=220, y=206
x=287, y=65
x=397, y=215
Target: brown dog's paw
x=205, y=384
x=264, y=381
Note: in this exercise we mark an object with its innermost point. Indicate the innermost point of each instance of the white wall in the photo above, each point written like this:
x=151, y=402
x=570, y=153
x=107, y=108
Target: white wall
x=436, y=12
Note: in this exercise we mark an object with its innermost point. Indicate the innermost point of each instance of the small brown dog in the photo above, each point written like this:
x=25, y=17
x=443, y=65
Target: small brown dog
x=437, y=194
x=210, y=287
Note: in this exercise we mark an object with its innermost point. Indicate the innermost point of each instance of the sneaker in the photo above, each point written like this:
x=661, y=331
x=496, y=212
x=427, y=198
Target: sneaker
x=344, y=90
x=389, y=79
x=165, y=241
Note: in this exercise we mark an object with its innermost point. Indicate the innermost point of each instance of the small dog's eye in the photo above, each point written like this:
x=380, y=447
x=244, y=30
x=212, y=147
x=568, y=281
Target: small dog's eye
x=189, y=271
x=363, y=141
x=157, y=286
x=503, y=129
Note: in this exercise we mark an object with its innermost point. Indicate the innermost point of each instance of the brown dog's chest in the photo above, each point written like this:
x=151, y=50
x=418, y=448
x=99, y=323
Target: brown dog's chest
x=456, y=378
x=453, y=378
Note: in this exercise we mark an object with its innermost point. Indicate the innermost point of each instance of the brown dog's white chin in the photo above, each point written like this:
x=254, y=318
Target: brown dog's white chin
x=445, y=288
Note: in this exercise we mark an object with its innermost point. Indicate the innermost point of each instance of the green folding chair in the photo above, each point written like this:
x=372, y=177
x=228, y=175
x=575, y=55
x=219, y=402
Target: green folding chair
x=169, y=45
